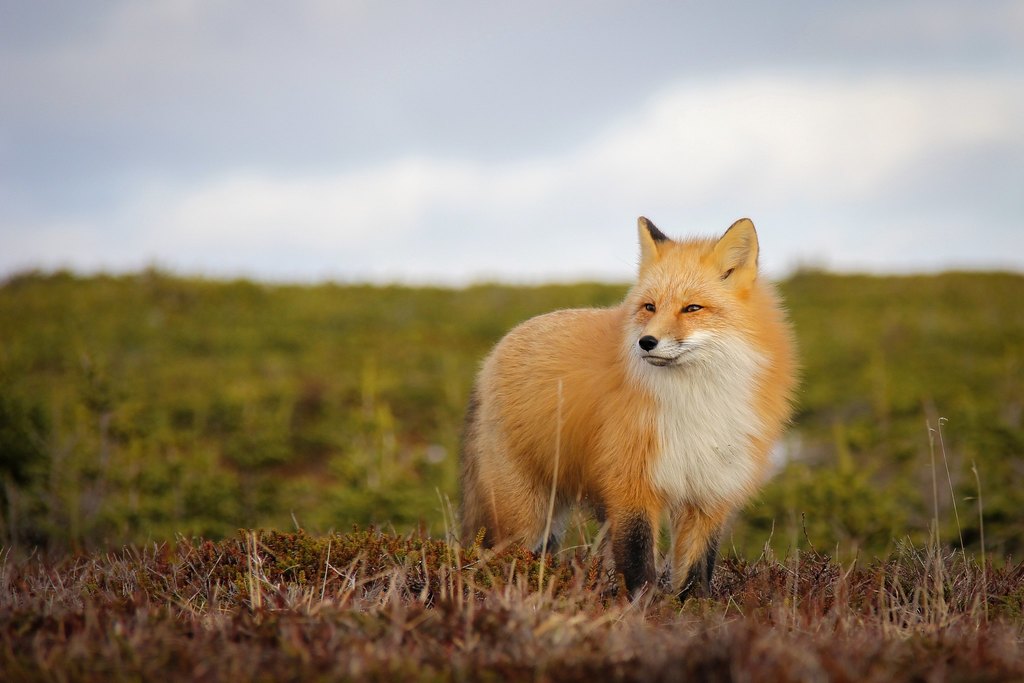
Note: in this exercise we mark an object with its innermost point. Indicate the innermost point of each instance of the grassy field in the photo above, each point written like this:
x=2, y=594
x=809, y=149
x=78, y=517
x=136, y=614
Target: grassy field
x=145, y=419
x=136, y=408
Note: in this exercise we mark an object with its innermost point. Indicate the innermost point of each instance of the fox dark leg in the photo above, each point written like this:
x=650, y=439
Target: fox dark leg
x=633, y=550
x=551, y=547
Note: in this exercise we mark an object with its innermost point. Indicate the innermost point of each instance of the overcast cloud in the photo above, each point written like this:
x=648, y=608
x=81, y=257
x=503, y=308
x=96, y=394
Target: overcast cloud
x=460, y=141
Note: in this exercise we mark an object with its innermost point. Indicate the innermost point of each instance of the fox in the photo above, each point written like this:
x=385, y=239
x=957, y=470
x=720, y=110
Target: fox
x=669, y=402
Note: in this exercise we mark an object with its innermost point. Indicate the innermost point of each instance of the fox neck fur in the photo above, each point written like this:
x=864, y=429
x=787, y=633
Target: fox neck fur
x=705, y=422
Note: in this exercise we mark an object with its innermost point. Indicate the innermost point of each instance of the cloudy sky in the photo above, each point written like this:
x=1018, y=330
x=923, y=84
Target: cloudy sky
x=464, y=140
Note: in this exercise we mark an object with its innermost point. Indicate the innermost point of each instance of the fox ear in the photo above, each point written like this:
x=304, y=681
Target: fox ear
x=651, y=241
x=736, y=253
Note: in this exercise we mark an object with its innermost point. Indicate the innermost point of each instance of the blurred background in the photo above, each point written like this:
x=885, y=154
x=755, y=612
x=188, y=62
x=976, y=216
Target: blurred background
x=219, y=220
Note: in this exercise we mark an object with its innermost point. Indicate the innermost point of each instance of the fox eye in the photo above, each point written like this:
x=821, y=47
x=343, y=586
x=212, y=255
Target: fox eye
x=650, y=308
x=691, y=308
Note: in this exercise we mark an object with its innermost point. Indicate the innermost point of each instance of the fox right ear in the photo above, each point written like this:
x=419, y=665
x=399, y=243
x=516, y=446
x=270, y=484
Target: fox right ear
x=736, y=253
x=651, y=240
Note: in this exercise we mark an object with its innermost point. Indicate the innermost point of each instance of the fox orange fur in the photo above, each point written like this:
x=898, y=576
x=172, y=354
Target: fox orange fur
x=670, y=401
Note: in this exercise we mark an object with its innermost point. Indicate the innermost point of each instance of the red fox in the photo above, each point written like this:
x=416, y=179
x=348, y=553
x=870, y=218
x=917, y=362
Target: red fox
x=670, y=402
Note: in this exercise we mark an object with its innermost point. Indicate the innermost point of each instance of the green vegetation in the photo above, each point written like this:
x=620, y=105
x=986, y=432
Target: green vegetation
x=136, y=408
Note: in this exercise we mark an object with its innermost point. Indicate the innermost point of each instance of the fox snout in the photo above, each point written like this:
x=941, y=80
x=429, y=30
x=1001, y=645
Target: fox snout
x=648, y=342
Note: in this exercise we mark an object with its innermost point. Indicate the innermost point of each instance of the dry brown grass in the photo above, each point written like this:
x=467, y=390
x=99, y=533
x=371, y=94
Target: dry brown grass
x=373, y=606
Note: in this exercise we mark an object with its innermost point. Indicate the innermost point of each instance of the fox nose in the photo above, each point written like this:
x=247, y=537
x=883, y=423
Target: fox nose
x=647, y=342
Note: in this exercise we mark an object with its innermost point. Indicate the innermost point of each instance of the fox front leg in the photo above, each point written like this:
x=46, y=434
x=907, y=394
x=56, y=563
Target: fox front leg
x=633, y=549
x=694, y=550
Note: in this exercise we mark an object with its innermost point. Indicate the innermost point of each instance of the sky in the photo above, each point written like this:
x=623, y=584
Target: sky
x=458, y=141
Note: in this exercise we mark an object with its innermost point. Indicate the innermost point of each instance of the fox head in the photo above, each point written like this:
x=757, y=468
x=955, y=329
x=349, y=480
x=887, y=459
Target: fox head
x=691, y=297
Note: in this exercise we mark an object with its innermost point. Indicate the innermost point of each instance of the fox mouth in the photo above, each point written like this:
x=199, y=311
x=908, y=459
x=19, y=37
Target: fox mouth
x=660, y=361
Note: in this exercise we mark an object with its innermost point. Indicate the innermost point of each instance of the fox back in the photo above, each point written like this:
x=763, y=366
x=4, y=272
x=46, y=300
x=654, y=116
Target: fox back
x=670, y=401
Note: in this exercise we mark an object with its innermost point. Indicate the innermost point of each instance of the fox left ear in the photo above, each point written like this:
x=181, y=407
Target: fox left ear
x=736, y=253
x=651, y=241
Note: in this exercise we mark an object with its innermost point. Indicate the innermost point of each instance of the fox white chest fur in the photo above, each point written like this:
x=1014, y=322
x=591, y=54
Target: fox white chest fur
x=706, y=421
